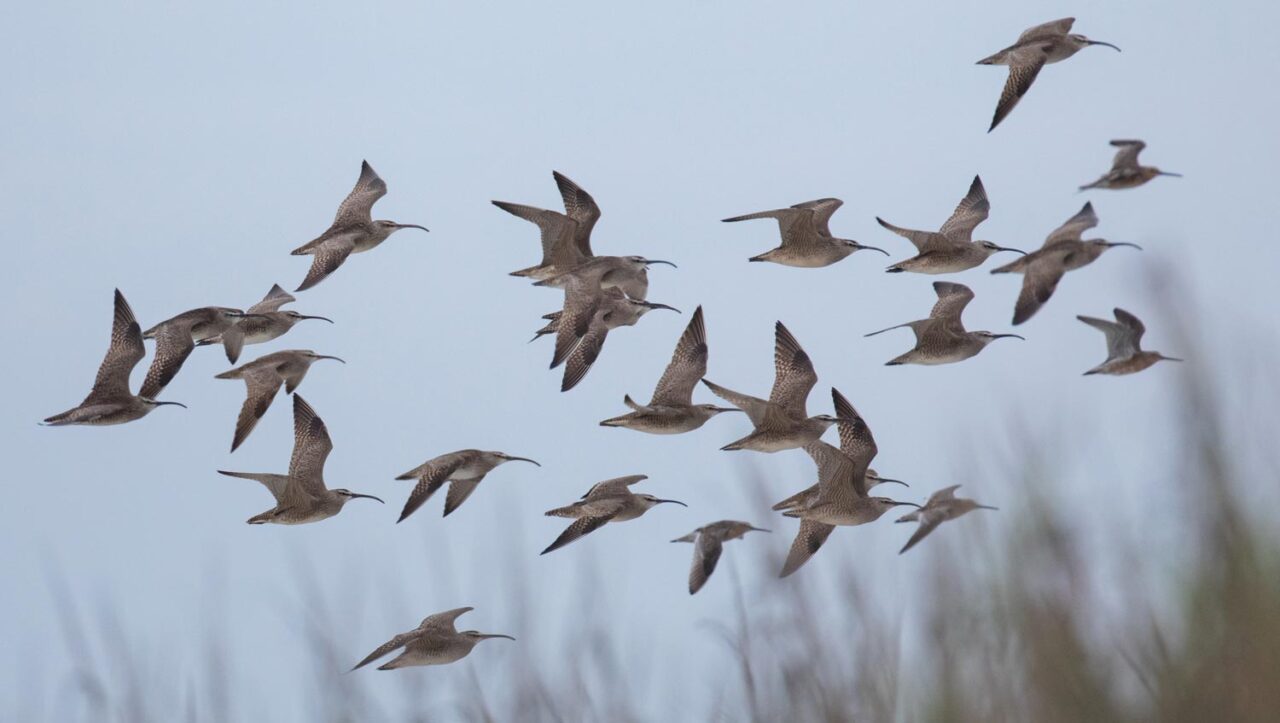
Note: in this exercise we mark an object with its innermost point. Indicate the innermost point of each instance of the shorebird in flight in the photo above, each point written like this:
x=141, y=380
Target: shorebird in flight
x=110, y=401
x=1064, y=250
x=1036, y=47
x=353, y=230
x=707, y=544
x=942, y=505
x=463, y=470
x=263, y=377
x=608, y=501
x=301, y=495
x=589, y=314
x=263, y=322
x=782, y=422
x=566, y=237
x=840, y=496
x=942, y=339
x=1125, y=171
x=629, y=274
x=435, y=642
x=1124, y=351
x=951, y=248
x=806, y=237
x=671, y=409
x=176, y=338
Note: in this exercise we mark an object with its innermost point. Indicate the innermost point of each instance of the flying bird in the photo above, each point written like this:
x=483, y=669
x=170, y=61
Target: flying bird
x=707, y=545
x=1064, y=250
x=942, y=339
x=353, y=229
x=110, y=401
x=263, y=322
x=263, y=377
x=942, y=505
x=1047, y=43
x=176, y=338
x=807, y=241
x=1125, y=171
x=463, y=470
x=951, y=248
x=566, y=237
x=782, y=421
x=301, y=495
x=435, y=642
x=841, y=495
x=589, y=314
x=607, y=501
x=671, y=409
x=1124, y=351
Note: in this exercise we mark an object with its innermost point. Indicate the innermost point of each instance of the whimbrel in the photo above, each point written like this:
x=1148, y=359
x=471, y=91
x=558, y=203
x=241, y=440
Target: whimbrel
x=1047, y=43
x=1125, y=171
x=463, y=470
x=629, y=274
x=435, y=642
x=584, y=323
x=176, y=338
x=707, y=544
x=110, y=401
x=263, y=322
x=671, y=409
x=353, y=230
x=607, y=501
x=263, y=377
x=942, y=339
x=942, y=505
x=806, y=236
x=1063, y=251
x=566, y=237
x=1124, y=351
x=951, y=248
x=301, y=495
x=782, y=422
x=840, y=496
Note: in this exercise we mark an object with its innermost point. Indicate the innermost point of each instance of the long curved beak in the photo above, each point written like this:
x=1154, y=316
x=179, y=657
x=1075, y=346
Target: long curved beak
x=882, y=480
x=674, y=502
x=412, y=225
x=652, y=305
x=1099, y=42
x=651, y=262
x=325, y=318
x=355, y=495
x=1162, y=356
x=322, y=356
x=909, y=504
x=176, y=404
x=864, y=247
x=1006, y=248
x=760, y=529
x=489, y=636
x=986, y=507
x=1007, y=336
x=521, y=459
x=1168, y=173
x=1113, y=244
x=727, y=409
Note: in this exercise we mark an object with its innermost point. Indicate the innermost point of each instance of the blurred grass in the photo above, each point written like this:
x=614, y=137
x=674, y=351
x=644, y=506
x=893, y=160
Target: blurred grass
x=1010, y=628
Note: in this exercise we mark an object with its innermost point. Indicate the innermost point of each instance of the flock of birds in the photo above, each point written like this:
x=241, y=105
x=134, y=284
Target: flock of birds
x=602, y=293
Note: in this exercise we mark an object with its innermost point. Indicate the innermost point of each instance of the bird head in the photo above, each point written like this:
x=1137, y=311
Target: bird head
x=1083, y=41
x=986, y=337
x=152, y=403
x=503, y=458
x=390, y=227
x=477, y=636
x=991, y=248
x=650, y=501
x=314, y=357
x=714, y=410
x=855, y=246
x=295, y=317
x=347, y=495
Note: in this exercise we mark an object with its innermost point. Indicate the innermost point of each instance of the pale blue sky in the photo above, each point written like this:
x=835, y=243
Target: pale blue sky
x=180, y=153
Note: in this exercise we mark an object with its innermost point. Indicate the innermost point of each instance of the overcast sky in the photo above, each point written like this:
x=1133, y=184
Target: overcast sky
x=180, y=153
